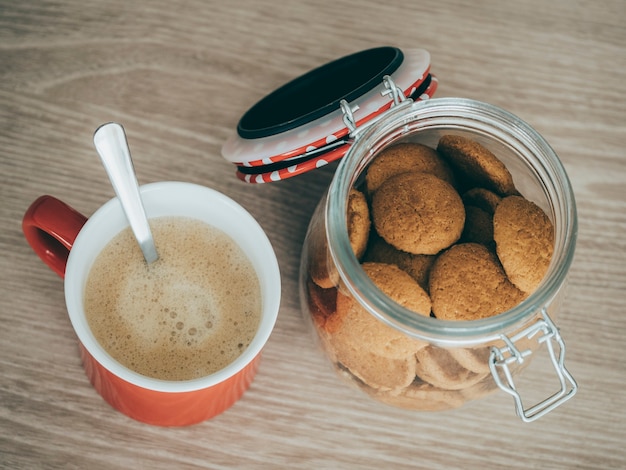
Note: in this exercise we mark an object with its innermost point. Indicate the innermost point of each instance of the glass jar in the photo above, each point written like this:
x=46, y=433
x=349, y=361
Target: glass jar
x=455, y=361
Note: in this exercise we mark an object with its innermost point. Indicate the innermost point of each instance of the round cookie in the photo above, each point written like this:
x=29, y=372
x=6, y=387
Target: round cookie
x=474, y=359
x=524, y=237
x=478, y=226
x=417, y=266
x=356, y=325
x=481, y=198
x=403, y=157
x=399, y=286
x=439, y=368
x=376, y=371
x=322, y=268
x=379, y=355
x=418, y=213
x=476, y=164
x=358, y=218
x=480, y=205
x=468, y=283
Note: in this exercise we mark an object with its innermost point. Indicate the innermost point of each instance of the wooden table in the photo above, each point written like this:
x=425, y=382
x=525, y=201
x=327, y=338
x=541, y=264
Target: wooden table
x=179, y=75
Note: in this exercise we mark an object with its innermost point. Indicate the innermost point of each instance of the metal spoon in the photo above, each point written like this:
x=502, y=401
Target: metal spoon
x=111, y=144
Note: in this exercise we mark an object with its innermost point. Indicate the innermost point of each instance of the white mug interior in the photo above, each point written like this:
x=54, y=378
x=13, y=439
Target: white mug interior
x=174, y=199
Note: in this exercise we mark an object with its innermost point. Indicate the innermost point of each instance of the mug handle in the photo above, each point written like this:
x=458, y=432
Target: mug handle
x=50, y=227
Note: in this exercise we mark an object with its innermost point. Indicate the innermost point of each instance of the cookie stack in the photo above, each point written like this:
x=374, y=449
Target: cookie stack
x=443, y=232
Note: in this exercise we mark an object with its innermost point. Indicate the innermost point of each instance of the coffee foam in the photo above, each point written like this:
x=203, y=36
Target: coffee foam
x=187, y=315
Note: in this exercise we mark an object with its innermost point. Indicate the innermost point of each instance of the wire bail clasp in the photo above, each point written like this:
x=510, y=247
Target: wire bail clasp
x=394, y=90
x=348, y=111
x=501, y=358
x=348, y=115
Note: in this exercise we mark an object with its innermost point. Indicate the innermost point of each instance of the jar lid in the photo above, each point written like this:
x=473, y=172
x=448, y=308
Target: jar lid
x=301, y=125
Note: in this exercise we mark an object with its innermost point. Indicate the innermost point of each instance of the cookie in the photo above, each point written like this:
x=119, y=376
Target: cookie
x=481, y=198
x=418, y=213
x=376, y=353
x=438, y=367
x=354, y=324
x=358, y=219
x=473, y=359
x=417, y=266
x=524, y=237
x=399, y=287
x=478, y=227
x=475, y=164
x=322, y=268
x=404, y=157
x=480, y=204
x=376, y=371
x=467, y=282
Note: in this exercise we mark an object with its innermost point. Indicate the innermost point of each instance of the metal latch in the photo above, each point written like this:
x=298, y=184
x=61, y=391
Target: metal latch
x=501, y=358
x=397, y=99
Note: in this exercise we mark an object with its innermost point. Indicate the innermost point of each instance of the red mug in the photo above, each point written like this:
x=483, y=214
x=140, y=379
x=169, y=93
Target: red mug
x=69, y=243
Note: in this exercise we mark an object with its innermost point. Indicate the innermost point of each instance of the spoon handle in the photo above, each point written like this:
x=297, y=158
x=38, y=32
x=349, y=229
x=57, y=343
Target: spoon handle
x=111, y=144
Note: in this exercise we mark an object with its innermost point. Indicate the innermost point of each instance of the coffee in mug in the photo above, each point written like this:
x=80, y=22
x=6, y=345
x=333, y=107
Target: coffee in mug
x=188, y=314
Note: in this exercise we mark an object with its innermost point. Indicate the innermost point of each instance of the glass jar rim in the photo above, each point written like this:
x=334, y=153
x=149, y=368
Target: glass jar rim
x=462, y=114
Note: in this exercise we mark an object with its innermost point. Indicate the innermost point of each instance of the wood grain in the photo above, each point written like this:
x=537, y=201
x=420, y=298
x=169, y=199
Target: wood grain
x=179, y=75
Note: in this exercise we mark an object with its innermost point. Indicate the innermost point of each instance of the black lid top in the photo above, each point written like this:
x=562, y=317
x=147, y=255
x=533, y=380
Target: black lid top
x=318, y=92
